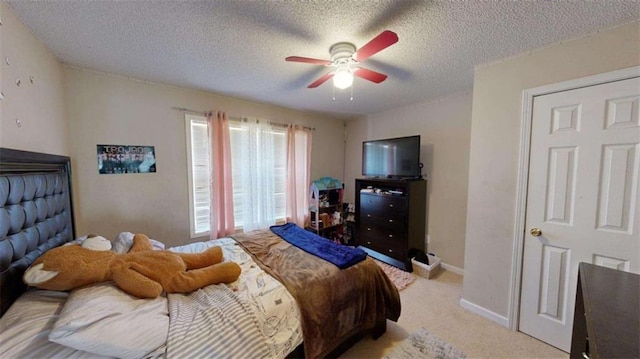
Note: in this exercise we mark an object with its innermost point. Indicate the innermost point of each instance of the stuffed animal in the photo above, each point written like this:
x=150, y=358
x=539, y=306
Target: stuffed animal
x=324, y=217
x=336, y=218
x=141, y=272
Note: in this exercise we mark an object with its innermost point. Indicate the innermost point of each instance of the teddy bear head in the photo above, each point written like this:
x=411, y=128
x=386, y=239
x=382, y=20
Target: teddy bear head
x=72, y=265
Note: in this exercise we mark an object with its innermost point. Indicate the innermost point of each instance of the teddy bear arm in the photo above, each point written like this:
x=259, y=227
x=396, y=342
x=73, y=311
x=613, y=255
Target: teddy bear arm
x=136, y=283
x=184, y=282
x=209, y=257
x=140, y=243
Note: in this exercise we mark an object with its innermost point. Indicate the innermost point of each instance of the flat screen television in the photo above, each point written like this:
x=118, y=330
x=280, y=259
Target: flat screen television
x=392, y=157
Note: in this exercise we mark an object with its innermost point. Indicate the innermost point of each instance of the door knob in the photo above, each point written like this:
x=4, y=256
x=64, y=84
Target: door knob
x=536, y=232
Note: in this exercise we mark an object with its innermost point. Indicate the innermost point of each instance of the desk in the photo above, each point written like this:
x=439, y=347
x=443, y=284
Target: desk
x=606, y=322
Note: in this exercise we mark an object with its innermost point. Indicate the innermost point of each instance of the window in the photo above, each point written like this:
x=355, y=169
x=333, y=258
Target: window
x=264, y=150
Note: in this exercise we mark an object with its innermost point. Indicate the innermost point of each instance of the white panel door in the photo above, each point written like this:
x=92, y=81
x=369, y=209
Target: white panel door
x=582, y=199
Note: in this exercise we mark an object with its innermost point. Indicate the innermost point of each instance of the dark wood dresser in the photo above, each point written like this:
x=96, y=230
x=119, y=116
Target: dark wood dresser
x=391, y=216
x=606, y=322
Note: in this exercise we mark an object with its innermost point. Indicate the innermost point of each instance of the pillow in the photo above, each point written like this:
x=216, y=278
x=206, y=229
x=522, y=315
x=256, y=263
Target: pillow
x=96, y=243
x=104, y=320
x=124, y=241
x=78, y=241
x=25, y=327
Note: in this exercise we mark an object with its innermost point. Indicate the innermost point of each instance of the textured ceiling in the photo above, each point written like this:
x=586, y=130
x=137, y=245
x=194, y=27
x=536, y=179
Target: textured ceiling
x=237, y=48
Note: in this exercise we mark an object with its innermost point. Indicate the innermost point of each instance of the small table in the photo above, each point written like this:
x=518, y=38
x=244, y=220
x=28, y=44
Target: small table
x=606, y=322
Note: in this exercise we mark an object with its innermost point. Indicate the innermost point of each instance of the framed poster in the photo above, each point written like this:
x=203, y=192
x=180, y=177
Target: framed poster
x=117, y=159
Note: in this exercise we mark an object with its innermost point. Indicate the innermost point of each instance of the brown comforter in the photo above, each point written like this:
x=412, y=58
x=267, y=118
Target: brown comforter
x=335, y=304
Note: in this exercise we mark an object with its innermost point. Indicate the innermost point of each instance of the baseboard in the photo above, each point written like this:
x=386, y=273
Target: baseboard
x=485, y=313
x=453, y=269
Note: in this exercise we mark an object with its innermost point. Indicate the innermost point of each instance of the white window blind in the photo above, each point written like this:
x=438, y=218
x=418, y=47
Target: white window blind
x=199, y=191
x=198, y=150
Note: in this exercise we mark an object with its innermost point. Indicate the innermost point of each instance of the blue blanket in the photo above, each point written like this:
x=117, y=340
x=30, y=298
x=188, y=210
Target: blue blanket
x=341, y=256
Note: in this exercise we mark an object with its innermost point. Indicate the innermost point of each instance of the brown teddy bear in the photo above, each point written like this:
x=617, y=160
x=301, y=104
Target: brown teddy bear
x=141, y=272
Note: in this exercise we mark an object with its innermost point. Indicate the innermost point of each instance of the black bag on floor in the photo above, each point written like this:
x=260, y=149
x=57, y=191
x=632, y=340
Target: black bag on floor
x=418, y=255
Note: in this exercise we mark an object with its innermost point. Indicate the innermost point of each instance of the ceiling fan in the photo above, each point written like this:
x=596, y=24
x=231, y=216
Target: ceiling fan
x=345, y=59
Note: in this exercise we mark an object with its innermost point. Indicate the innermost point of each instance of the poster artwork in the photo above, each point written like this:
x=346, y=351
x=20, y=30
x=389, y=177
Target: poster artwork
x=117, y=159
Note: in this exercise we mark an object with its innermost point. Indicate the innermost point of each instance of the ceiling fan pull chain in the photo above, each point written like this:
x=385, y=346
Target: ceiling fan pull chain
x=351, y=99
x=333, y=92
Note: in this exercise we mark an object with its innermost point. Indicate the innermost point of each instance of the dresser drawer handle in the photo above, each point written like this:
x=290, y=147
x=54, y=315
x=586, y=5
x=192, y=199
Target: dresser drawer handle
x=368, y=242
x=390, y=250
x=391, y=236
x=368, y=228
x=391, y=221
x=368, y=216
x=391, y=205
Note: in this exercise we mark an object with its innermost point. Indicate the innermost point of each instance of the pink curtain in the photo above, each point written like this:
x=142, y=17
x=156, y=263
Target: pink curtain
x=298, y=174
x=221, y=209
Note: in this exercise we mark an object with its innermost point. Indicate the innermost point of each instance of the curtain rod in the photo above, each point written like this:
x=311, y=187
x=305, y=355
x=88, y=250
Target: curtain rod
x=238, y=119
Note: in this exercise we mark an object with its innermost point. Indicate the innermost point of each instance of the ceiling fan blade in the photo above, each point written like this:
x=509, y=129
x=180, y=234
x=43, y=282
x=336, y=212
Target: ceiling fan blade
x=321, y=80
x=308, y=60
x=370, y=75
x=379, y=43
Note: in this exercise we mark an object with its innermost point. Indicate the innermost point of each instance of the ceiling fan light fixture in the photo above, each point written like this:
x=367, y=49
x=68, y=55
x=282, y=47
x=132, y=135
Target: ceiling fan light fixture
x=343, y=77
x=344, y=55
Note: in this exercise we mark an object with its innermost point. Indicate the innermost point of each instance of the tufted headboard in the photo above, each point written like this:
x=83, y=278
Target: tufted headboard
x=35, y=214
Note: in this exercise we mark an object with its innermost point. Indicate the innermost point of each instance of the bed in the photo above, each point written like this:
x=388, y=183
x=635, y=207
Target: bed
x=286, y=303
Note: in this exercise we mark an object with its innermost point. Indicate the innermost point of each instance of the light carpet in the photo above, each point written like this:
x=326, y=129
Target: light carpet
x=399, y=277
x=424, y=345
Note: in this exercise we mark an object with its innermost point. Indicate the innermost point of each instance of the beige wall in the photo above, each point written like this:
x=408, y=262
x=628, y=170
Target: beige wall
x=495, y=145
x=356, y=131
x=444, y=126
x=39, y=106
x=106, y=109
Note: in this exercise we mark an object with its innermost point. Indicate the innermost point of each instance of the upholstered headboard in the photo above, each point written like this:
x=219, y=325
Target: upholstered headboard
x=35, y=214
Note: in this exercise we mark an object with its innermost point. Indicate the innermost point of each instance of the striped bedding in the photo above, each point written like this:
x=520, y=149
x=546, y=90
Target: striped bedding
x=213, y=323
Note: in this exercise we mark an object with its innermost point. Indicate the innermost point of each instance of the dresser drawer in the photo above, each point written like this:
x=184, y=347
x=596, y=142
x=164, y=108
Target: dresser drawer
x=382, y=205
x=391, y=225
x=383, y=218
x=388, y=247
x=390, y=234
